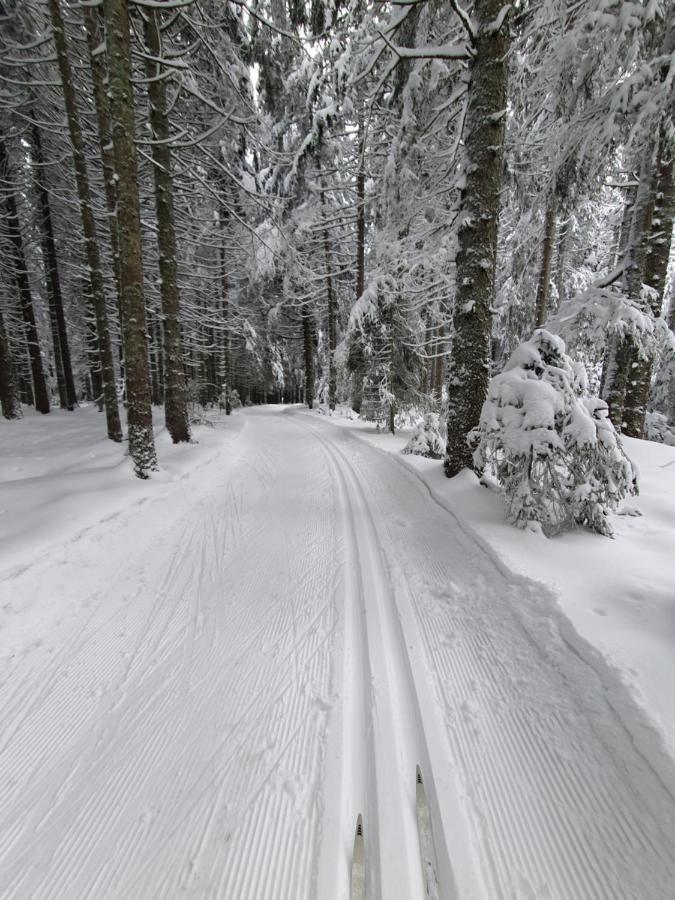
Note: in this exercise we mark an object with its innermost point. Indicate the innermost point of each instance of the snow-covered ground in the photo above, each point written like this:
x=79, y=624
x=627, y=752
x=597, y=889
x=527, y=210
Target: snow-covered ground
x=206, y=677
x=619, y=595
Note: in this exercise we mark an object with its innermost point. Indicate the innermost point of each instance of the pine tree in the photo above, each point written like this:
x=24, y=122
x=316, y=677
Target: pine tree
x=139, y=411
x=469, y=369
x=88, y=224
x=20, y=273
x=9, y=394
x=62, y=360
x=174, y=374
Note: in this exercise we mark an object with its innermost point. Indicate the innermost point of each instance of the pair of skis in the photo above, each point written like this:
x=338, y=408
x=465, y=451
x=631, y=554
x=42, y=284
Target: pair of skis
x=427, y=849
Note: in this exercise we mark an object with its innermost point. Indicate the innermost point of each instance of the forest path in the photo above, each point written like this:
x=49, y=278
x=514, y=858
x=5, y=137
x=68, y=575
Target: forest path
x=242, y=668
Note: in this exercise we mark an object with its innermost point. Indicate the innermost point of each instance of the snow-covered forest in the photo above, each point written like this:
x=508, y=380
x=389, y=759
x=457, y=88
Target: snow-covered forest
x=337, y=372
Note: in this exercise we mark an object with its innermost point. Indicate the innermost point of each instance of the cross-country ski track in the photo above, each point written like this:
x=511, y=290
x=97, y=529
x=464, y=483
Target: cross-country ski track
x=229, y=673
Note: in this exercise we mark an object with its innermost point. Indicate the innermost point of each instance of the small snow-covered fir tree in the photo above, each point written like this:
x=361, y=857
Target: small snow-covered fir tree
x=426, y=439
x=553, y=450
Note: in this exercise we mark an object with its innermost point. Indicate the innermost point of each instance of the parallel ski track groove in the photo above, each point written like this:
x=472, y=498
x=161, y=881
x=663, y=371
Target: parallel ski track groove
x=581, y=828
x=410, y=739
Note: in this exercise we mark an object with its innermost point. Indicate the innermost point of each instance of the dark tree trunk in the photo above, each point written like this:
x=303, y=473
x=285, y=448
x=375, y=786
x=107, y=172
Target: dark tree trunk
x=469, y=369
x=615, y=379
x=653, y=210
x=332, y=312
x=40, y=391
x=654, y=276
x=437, y=387
x=547, y=256
x=139, y=410
x=64, y=369
x=93, y=352
x=226, y=389
x=358, y=366
x=156, y=373
x=175, y=403
x=561, y=260
x=95, y=30
x=9, y=395
x=308, y=347
x=88, y=225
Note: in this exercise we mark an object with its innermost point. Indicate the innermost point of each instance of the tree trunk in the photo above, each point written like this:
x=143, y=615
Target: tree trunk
x=88, y=226
x=93, y=350
x=40, y=391
x=358, y=368
x=95, y=30
x=139, y=409
x=156, y=373
x=308, y=346
x=652, y=212
x=547, y=255
x=9, y=395
x=561, y=259
x=226, y=389
x=332, y=311
x=655, y=268
x=64, y=369
x=469, y=369
x=437, y=387
x=175, y=402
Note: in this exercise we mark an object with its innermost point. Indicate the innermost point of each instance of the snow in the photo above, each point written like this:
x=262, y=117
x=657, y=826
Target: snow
x=59, y=474
x=619, y=595
x=205, y=678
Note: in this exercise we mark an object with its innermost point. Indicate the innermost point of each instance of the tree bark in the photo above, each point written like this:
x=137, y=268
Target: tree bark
x=88, y=225
x=356, y=353
x=308, y=346
x=547, y=256
x=175, y=394
x=93, y=350
x=561, y=259
x=40, y=391
x=332, y=311
x=64, y=369
x=225, y=308
x=139, y=409
x=655, y=268
x=437, y=387
x=469, y=369
x=653, y=210
x=94, y=26
x=9, y=395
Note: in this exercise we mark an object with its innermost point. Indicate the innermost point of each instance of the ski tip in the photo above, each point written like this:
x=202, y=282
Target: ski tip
x=359, y=826
x=418, y=775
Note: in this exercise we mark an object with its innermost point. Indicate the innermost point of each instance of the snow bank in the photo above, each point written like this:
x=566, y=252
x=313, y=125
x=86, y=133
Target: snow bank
x=60, y=475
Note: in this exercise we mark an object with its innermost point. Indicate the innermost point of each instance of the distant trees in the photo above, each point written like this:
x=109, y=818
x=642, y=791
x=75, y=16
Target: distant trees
x=379, y=217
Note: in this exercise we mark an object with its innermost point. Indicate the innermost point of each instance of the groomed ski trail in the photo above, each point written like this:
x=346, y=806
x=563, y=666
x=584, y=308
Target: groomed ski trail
x=560, y=797
x=171, y=745
x=226, y=677
x=382, y=727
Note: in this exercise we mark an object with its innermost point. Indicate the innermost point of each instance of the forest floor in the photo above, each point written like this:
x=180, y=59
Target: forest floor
x=206, y=677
